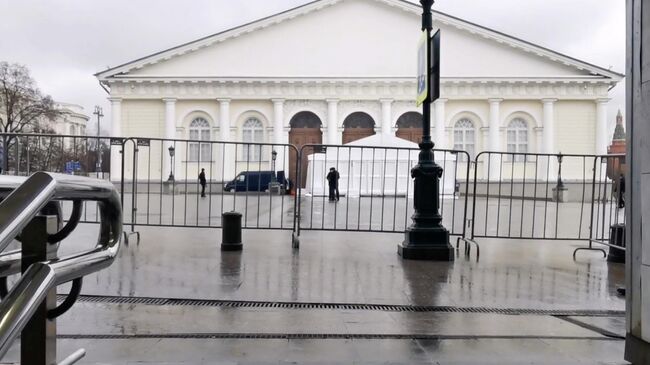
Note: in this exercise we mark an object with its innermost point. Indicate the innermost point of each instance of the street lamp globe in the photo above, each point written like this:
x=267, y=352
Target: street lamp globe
x=171, y=162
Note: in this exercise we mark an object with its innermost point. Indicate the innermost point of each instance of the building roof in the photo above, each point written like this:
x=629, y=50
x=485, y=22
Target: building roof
x=310, y=7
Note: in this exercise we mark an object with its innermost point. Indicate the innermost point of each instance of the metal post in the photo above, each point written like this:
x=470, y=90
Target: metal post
x=99, y=113
x=426, y=238
x=560, y=183
x=38, y=339
x=274, y=155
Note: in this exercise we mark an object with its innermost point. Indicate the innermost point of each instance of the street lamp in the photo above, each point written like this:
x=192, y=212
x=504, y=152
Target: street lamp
x=274, y=155
x=99, y=113
x=560, y=183
x=171, y=167
x=426, y=238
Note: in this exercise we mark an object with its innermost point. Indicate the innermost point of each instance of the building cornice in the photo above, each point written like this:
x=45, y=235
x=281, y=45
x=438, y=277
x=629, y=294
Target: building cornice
x=398, y=89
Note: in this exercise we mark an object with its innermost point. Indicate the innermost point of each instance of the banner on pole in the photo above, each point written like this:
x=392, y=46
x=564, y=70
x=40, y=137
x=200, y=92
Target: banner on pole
x=434, y=88
x=423, y=82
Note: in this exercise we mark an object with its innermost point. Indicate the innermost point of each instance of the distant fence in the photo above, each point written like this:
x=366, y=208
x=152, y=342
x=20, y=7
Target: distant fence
x=376, y=188
x=503, y=195
x=161, y=183
x=24, y=154
x=525, y=197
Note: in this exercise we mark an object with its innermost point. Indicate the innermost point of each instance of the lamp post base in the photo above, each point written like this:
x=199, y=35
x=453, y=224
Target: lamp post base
x=426, y=244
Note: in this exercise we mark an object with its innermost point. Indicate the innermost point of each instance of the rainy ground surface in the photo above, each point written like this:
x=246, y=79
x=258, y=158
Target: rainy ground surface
x=522, y=301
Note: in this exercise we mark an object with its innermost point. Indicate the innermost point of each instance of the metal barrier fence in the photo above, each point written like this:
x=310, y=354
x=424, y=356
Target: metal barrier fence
x=497, y=195
x=86, y=156
x=542, y=197
x=375, y=188
x=162, y=186
x=608, y=214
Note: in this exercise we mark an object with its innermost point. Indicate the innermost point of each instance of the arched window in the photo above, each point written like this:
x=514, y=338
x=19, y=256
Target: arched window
x=73, y=130
x=517, y=138
x=464, y=136
x=199, y=131
x=252, y=132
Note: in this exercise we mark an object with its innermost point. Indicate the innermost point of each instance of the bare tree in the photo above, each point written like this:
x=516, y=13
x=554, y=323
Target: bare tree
x=22, y=106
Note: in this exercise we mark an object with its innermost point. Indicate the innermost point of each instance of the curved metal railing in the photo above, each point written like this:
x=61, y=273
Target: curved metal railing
x=25, y=199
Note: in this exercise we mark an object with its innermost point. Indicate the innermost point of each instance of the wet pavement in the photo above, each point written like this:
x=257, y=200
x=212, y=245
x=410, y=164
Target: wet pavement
x=354, y=268
x=504, y=308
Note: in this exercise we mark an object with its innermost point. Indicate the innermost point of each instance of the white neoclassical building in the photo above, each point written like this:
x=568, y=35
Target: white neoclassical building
x=72, y=121
x=333, y=71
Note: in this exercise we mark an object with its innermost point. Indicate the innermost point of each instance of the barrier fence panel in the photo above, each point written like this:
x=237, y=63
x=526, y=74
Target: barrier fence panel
x=532, y=196
x=544, y=197
x=162, y=186
x=376, y=188
x=608, y=215
x=24, y=154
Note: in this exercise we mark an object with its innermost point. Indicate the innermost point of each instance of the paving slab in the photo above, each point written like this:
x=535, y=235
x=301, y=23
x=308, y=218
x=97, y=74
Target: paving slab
x=614, y=326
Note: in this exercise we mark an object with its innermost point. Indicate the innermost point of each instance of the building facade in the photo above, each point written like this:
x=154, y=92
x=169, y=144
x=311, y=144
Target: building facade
x=72, y=120
x=333, y=71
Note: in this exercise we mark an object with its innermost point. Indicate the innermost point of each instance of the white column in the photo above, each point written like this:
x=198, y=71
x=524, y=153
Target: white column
x=548, y=140
x=116, y=131
x=170, y=133
x=170, y=118
x=332, y=121
x=548, y=118
x=278, y=130
x=439, y=122
x=386, y=116
x=224, y=119
x=601, y=126
x=278, y=120
x=494, y=137
x=224, y=136
x=116, y=116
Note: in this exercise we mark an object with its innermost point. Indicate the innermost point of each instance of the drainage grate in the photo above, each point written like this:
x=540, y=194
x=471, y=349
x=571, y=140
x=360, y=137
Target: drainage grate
x=315, y=336
x=340, y=306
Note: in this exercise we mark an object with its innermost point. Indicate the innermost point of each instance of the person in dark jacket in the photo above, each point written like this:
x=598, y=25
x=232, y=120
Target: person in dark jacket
x=333, y=182
x=621, y=192
x=203, y=182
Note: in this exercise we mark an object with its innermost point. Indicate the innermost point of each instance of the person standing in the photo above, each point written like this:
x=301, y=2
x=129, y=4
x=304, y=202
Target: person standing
x=203, y=182
x=621, y=192
x=333, y=182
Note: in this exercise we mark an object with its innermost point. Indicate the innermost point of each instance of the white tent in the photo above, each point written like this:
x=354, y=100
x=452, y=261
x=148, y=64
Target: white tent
x=375, y=165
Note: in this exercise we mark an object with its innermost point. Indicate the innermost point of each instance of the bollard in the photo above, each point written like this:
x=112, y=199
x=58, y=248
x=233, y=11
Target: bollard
x=616, y=238
x=231, y=232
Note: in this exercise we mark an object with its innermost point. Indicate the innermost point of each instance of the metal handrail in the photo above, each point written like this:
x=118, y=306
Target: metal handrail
x=16, y=212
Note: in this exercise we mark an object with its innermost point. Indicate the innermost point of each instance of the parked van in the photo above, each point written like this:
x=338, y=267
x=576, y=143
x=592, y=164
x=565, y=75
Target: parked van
x=250, y=181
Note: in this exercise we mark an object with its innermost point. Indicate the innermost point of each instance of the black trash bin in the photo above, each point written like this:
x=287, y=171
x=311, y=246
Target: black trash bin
x=616, y=238
x=231, y=232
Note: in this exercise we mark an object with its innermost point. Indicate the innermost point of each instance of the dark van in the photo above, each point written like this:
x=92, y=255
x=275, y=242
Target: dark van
x=250, y=181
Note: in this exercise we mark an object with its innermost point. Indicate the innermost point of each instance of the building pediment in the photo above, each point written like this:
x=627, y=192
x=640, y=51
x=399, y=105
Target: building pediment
x=355, y=39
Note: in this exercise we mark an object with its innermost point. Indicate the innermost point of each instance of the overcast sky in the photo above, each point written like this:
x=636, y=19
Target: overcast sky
x=64, y=42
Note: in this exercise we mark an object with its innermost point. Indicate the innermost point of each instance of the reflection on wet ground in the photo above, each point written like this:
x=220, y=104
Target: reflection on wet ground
x=335, y=267
x=356, y=268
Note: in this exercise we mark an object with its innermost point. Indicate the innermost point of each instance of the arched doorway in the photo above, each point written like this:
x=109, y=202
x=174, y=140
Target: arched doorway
x=409, y=127
x=356, y=126
x=305, y=129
